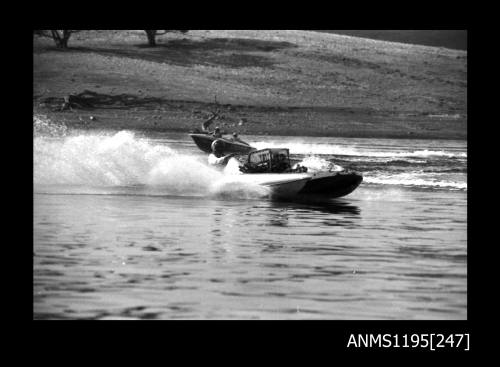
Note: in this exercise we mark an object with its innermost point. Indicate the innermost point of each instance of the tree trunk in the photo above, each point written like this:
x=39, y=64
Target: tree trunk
x=61, y=40
x=62, y=43
x=151, y=37
x=65, y=39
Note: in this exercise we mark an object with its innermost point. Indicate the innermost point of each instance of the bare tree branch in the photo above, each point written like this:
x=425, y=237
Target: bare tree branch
x=60, y=37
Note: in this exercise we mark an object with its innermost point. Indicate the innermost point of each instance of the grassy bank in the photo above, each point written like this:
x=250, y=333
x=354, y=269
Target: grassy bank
x=265, y=82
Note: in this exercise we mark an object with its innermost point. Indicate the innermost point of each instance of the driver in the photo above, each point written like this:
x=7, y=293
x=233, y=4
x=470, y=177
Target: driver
x=281, y=163
x=235, y=137
x=217, y=133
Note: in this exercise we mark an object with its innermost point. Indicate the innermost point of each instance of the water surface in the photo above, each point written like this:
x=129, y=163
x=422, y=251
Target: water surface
x=135, y=226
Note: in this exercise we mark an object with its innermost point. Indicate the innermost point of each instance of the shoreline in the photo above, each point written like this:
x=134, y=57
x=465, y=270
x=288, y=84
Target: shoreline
x=187, y=116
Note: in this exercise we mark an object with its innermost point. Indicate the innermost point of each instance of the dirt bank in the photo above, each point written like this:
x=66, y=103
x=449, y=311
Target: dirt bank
x=268, y=82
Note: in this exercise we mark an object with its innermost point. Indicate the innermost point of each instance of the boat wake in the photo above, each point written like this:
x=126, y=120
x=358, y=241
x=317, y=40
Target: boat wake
x=342, y=150
x=415, y=179
x=124, y=164
x=121, y=163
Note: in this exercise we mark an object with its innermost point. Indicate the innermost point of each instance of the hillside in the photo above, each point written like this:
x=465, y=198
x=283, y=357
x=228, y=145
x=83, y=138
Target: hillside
x=278, y=82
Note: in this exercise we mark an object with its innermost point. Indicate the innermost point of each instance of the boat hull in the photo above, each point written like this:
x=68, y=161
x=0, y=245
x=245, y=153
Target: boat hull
x=332, y=184
x=302, y=185
x=279, y=185
x=204, y=142
x=288, y=189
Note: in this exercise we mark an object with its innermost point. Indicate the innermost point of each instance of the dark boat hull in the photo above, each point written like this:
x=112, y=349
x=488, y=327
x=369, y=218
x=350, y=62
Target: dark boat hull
x=204, y=142
x=332, y=186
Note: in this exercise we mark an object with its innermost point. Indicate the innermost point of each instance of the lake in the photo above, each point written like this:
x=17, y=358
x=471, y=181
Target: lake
x=131, y=225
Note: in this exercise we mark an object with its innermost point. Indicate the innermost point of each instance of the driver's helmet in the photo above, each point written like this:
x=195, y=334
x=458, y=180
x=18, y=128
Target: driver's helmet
x=217, y=146
x=217, y=129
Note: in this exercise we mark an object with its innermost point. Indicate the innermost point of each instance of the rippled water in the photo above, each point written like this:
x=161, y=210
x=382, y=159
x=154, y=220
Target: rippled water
x=116, y=237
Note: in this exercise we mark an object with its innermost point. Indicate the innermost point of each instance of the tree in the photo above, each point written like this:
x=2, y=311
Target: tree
x=60, y=37
x=152, y=33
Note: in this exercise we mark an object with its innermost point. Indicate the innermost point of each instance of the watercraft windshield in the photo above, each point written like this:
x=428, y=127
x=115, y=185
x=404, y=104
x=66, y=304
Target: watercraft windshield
x=268, y=160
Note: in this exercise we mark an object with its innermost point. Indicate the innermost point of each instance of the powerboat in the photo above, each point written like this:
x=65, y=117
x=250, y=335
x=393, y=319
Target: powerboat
x=272, y=168
x=204, y=139
x=204, y=142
